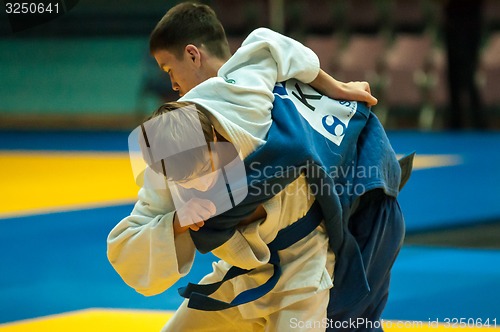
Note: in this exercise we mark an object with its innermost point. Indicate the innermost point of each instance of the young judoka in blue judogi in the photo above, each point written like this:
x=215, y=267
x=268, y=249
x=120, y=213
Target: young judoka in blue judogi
x=361, y=232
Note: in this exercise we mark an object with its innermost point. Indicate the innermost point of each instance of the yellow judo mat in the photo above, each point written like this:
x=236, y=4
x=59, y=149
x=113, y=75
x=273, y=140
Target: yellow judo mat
x=45, y=181
x=152, y=321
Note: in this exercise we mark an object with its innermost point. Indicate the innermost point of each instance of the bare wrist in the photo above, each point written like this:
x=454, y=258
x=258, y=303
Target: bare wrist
x=178, y=229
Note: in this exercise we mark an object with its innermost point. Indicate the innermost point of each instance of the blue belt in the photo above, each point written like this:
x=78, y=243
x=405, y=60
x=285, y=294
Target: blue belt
x=198, y=294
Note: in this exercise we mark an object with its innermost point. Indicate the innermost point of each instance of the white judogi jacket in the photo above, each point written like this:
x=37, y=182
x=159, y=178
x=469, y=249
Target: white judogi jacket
x=142, y=247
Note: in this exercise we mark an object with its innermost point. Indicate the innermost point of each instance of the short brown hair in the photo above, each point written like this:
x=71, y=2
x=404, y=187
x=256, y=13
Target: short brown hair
x=206, y=124
x=190, y=23
x=190, y=161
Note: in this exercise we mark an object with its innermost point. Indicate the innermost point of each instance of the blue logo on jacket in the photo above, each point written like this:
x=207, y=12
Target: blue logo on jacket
x=327, y=116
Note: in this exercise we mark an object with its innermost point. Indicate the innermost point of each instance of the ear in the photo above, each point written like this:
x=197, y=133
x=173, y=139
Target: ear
x=193, y=53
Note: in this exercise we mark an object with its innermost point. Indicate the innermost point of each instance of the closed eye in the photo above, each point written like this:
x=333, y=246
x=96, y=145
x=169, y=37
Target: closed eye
x=205, y=170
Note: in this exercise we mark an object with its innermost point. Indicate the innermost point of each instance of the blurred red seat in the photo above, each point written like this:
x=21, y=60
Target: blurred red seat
x=319, y=16
x=326, y=47
x=490, y=72
x=364, y=16
x=407, y=16
x=491, y=15
x=361, y=59
x=405, y=73
x=241, y=17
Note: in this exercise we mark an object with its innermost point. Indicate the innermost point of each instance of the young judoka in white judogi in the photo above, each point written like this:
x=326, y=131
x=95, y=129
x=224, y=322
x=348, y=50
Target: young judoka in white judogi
x=150, y=257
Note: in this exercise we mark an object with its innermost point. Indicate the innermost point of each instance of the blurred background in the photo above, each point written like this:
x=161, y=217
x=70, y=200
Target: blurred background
x=72, y=89
x=90, y=67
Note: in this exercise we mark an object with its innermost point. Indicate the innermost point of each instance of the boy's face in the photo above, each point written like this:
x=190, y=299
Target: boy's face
x=184, y=73
x=202, y=183
x=205, y=176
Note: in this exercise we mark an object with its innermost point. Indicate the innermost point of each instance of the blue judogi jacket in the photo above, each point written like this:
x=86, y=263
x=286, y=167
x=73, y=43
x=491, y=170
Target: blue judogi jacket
x=344, y=152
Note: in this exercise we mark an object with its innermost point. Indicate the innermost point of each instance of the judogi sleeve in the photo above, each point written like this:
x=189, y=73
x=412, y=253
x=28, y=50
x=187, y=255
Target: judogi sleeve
x=241, y=97
x=142, y=247
x=293, y=59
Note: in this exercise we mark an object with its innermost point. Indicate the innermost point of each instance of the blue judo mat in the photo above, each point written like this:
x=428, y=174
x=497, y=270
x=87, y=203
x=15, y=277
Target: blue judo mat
x=57, y=262
x=464, y=194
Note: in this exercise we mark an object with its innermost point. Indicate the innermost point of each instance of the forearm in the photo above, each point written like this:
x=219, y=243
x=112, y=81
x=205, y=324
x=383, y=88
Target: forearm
x=145, y=251
x=294, y=60
x=329, y=86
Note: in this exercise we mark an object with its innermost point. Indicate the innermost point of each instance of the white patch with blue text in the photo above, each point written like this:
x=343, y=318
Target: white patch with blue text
x=327, y=116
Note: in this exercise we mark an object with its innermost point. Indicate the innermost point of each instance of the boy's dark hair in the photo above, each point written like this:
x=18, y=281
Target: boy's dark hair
x=190, y=23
